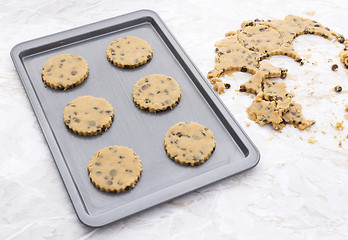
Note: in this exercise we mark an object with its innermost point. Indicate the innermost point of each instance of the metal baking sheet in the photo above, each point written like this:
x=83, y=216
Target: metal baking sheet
x=162, y=179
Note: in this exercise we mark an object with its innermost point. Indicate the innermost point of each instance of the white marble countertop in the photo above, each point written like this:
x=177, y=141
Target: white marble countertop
x=298, y=190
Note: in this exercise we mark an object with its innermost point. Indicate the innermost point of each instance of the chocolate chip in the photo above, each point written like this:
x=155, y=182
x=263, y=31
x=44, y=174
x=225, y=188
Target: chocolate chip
x=109, y=183
x=61, y=76
x=243, y=69
x=73, y=72
x=196, y=158
x=77, y=120
x=48, y=70
x=129, y=170
x=334, y=67
x=98, y=172
x=227, y=85
x=283, y=73
x=216, y=49
x=147, y=100
x=121, y=156
x=112, y=172
x=68, y=122
x=338, y=88
x=178, y=134
x=98, y=163
x=95, y=108
x=340, y=39
x=166, y=91
x=228, y=51
x=145, y=87
x=91, y=123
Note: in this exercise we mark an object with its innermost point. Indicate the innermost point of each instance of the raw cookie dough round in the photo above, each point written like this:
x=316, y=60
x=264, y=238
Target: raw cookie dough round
x=64, y=71
x=129, y=52
x=260, y=38
x=88, y=115
x=156, y=92
x=189, y=143
x=114, y=169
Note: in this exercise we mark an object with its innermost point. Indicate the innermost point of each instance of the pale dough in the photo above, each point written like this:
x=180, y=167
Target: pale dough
x=156, y=92
x=88, y=115
x=129, y=52
x=64, y=71
x=115, y=169
x=189, y=143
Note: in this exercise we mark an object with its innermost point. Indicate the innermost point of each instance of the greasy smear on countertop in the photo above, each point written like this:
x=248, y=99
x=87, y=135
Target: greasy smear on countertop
x=244, y=50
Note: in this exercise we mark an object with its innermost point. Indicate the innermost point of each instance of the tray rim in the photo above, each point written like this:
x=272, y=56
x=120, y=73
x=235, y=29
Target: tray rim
x=97, y=220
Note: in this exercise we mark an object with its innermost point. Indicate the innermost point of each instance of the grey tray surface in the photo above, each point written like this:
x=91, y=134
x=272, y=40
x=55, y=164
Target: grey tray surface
x=162, y=179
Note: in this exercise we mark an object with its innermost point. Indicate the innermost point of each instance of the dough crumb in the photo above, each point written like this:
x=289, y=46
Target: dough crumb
x=219, y=87
x=248, y=124
x=340, y=143
x=323, y=132
x=346, y=108
x=310, y=13
x=339, y=126
x=312, y=140
x=330, y=60
x=346, y=117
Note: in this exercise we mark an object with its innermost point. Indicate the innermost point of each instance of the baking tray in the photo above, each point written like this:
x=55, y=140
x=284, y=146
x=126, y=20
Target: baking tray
x=162, y=179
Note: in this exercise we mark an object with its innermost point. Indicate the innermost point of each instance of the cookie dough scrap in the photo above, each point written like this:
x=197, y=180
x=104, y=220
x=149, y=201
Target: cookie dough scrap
x=88, y=115
x=274, y=105
x=344, y=55
x=64, y=71
x=267, y=70
x=156, y=92
x=189, y=143
x=115, y=169
x=244, y=50
x=129, y=52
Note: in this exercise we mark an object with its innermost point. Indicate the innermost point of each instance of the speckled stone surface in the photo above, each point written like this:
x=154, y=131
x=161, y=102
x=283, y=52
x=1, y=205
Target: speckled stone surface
x=298, y=190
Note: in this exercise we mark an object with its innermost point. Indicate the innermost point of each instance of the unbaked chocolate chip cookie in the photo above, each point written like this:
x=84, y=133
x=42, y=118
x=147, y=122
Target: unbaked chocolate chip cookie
x=88, y=115
x=189, y=143
x=115, y=169
x=64, y=71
